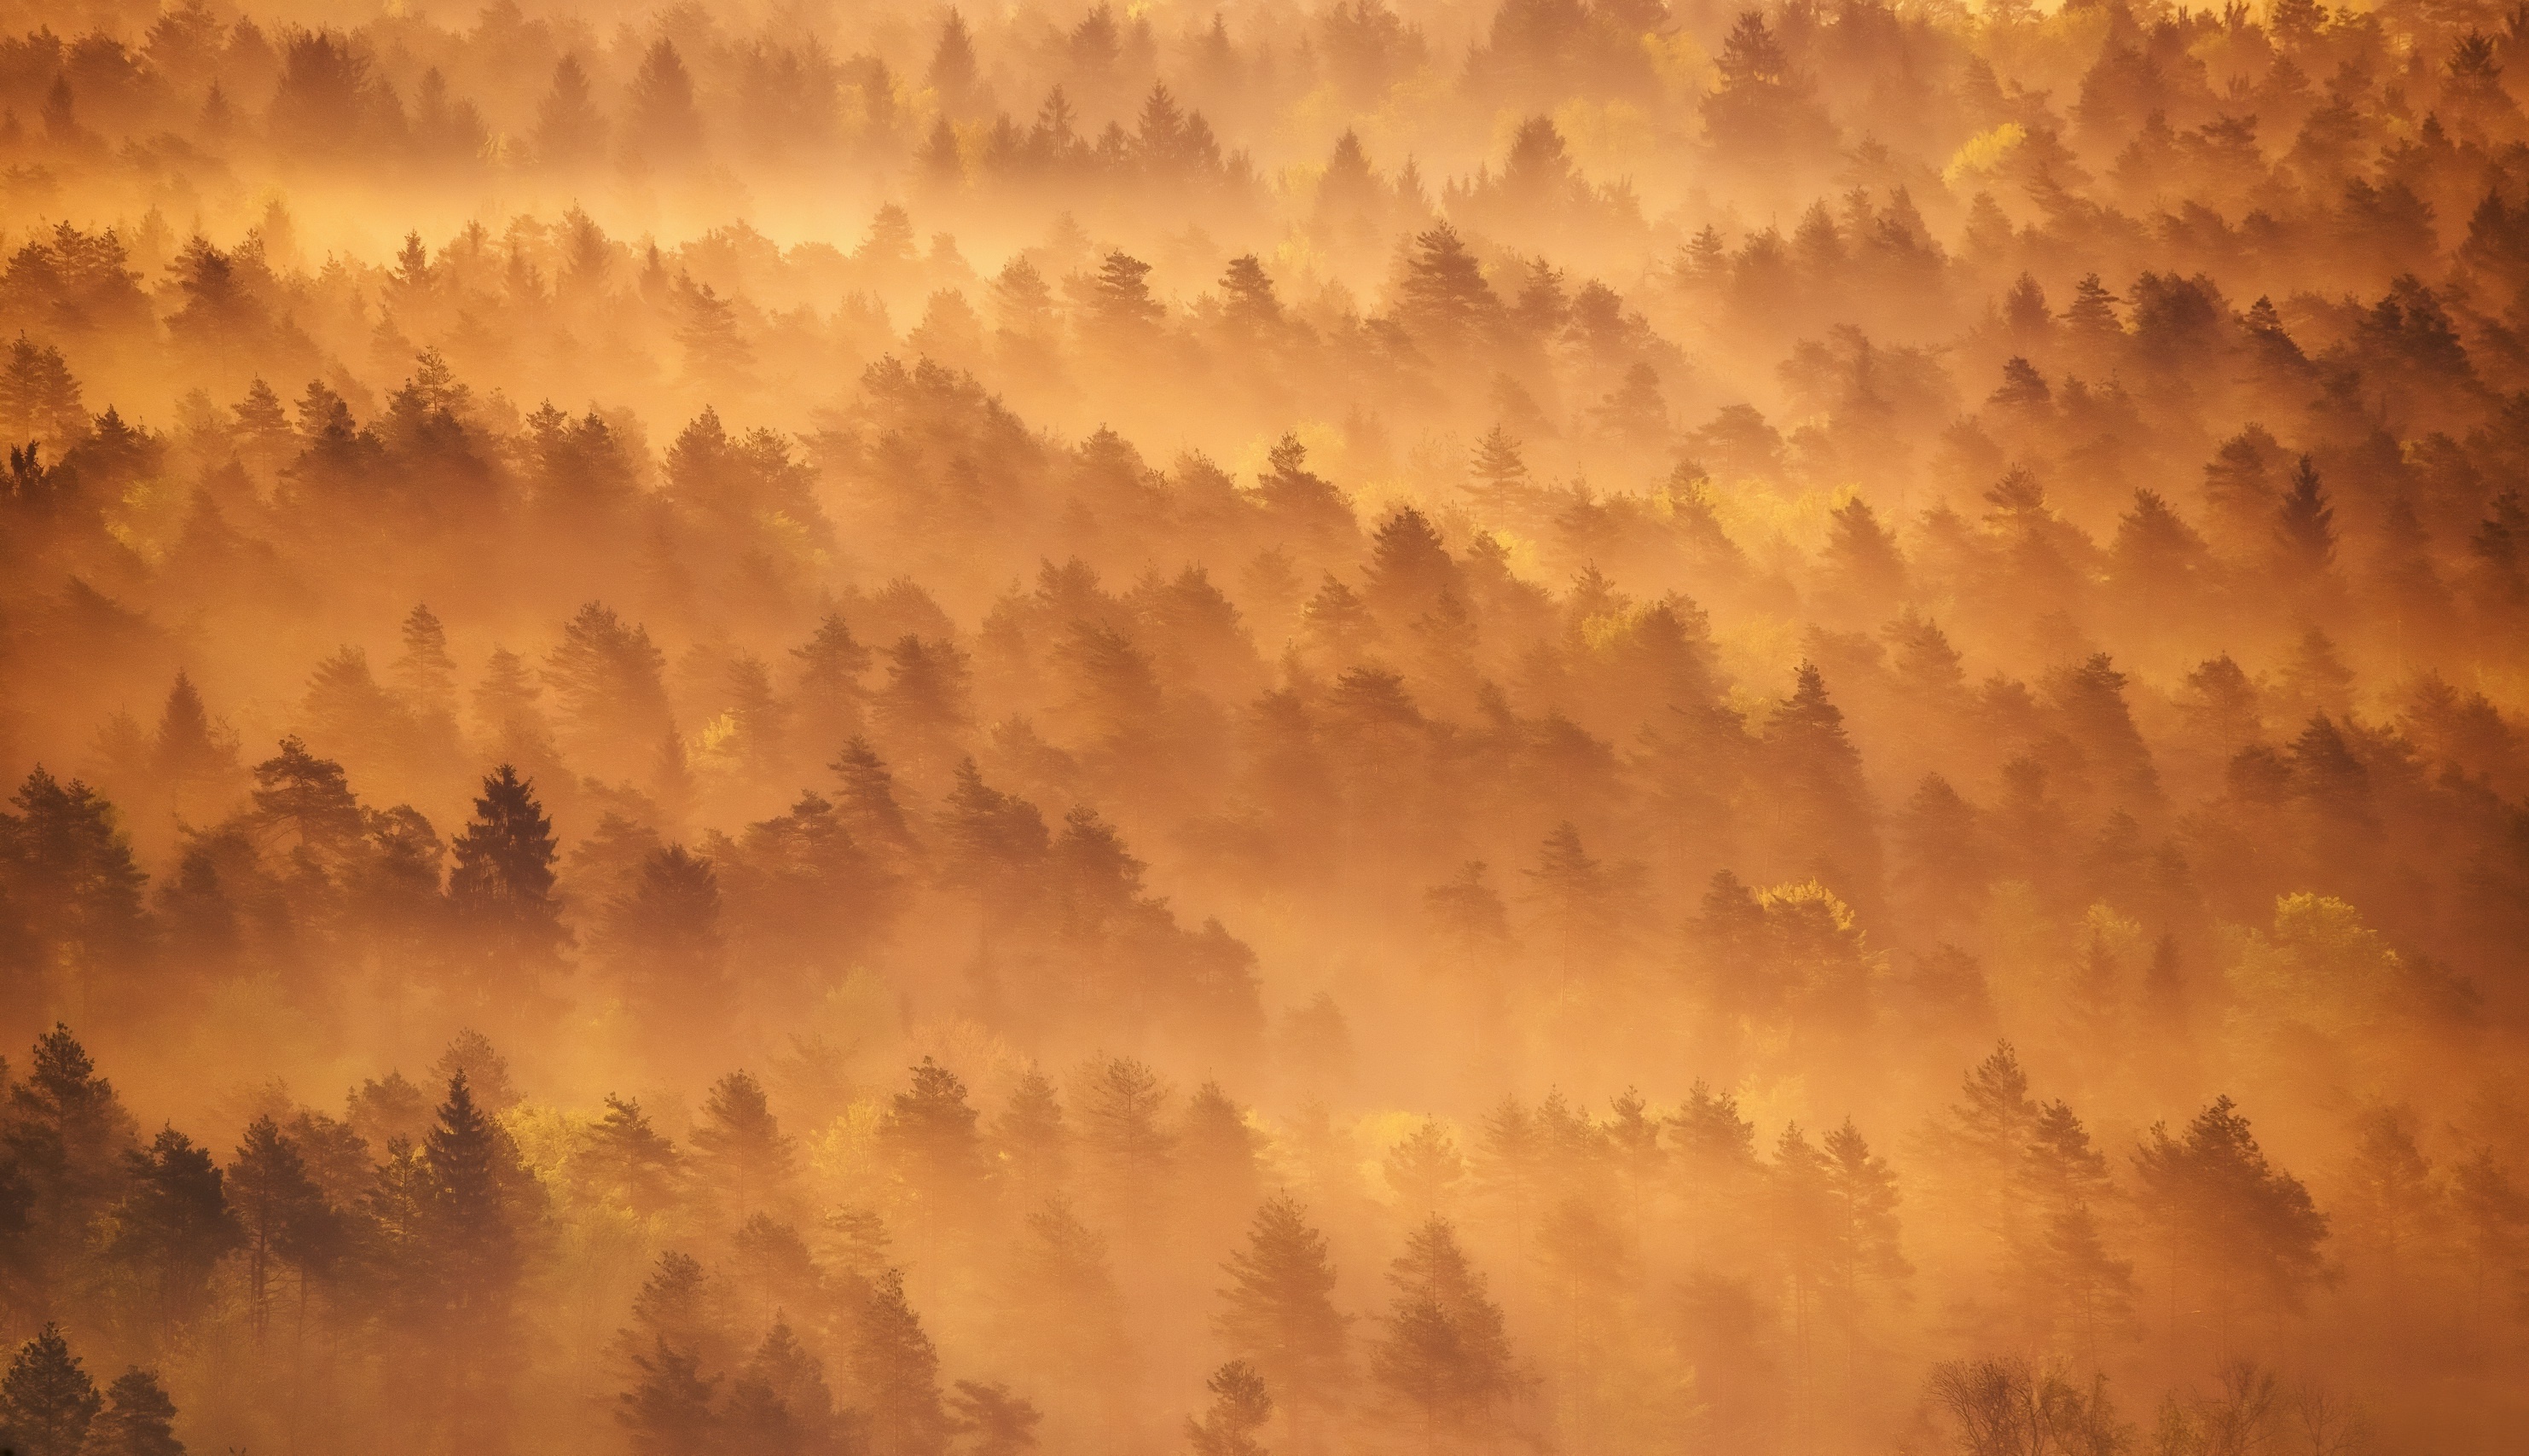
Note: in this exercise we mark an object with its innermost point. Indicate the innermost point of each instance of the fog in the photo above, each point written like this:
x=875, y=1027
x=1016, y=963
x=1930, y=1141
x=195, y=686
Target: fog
x=863, y=729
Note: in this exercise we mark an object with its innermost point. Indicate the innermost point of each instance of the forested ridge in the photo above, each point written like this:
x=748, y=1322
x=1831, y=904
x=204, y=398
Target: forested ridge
x=1404, y=727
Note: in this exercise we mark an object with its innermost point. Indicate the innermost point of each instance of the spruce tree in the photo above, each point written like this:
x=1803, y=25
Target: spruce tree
x=501, y=888
x=470, y=1228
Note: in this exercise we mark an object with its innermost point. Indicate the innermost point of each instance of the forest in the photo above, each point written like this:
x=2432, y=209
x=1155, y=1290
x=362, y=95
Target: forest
x=1207, y=727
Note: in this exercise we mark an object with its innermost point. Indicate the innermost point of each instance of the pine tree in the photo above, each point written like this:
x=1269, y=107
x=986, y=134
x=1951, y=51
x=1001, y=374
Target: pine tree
x=1240, y=1406
x=929, y=1133
x=1071, y=1311
x=139, y=1420
x=47, y=1402
x=74, y=885
x=679, y=1308
x=1825, y=812
x=998, y=1422
x=661, y=127
x=625, y=1157
x=1127, y=1142
x=663, y=939
x=1423, y=1168
x=70, y=1140
x=2391, y=1206
x=1443, y=1356
x=306, y=802
x=739, y=1151
x=1498, y=477
x=470, y=1054
x=1216, y=1158
x=1445, y=300
x=1576, y=899
x=994, y=842
x=280, y=1210
x=1031, y=1145
x=668, y=1412
x=1279, y=1315
x=2232, y=1224
x=425, y=674
x=2082, y=1291
x=832, y=700
x=896, y=1371
x=780, y=1403
x=174, y=1226
x=608, y=677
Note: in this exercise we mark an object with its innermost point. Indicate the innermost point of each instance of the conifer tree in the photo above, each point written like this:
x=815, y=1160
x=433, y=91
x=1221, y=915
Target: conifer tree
x=2232, y=1224
x=928, y=1132
x=173, y=1225
x=667, y=1411
x=2304, y=527
x=1826, y=809
x=501, y=888
x=895, y=1373
x=1423, y=1168
x=139, y=1420
x=1030, y=1140
x=627, y=1158
x=997, y=1423
x=1278, y=1313
x=193, y=759
x=1443, y=1356
x=568, y=132
x=470, y=1219
x=1240, y=1406
x=47, y=1402
x=281, y=1211
x=70, y=1142
x=1128, y=1146
x=741, y=1154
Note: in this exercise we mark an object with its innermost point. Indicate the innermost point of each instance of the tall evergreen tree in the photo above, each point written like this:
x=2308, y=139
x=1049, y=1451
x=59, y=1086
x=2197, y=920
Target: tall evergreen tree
x=2234, y=1226
x=47, y=1402
x=139, y=1420
x=1278, y=1313
x=1443, y=1356
x=280, y=1210
x=501, y=888
x=173, y=1225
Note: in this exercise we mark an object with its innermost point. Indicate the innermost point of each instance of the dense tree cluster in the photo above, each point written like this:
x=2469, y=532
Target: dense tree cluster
x=1297, y=730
